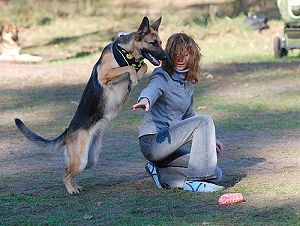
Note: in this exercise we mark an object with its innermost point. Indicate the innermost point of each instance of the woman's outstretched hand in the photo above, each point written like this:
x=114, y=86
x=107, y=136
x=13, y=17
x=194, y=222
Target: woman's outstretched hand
x=219, y=147
x=143, y=103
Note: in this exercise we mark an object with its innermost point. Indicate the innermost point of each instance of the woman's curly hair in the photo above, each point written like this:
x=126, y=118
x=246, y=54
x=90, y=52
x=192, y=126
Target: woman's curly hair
x=180, y=43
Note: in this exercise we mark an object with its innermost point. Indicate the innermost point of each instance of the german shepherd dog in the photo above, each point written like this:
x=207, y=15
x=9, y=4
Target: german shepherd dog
x=10, y=48
x=103, y=97
x=9, y=40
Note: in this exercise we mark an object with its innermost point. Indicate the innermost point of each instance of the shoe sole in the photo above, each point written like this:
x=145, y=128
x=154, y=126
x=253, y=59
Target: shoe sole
x=197, y=189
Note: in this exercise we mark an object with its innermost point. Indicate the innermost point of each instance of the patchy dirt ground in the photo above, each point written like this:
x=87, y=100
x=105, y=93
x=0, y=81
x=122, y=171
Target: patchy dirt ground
x=263, y=157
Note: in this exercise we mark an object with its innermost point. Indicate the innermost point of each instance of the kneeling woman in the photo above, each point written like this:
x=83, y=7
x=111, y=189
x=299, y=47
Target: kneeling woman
x=170, y=123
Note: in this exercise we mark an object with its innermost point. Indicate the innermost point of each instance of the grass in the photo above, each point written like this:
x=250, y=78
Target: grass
x=252, y=97
x=146, y=207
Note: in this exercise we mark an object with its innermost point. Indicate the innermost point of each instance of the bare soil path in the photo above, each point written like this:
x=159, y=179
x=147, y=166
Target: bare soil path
x=264, y=156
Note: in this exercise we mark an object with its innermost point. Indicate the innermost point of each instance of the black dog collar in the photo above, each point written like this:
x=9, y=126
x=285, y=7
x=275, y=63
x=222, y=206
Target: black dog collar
x=125, y=58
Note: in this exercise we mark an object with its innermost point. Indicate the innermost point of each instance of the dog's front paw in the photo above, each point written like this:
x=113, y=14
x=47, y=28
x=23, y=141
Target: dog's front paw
x=72, y=187
x=74, y=191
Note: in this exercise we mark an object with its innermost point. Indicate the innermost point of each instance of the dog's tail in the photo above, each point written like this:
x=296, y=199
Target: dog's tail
x=54, y=144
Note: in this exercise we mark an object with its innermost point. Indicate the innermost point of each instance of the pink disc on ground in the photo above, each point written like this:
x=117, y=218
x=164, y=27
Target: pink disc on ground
x=231, y=199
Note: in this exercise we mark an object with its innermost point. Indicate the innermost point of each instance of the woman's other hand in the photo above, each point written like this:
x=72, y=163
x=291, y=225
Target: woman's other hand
x=143, y=103
x=219, y=147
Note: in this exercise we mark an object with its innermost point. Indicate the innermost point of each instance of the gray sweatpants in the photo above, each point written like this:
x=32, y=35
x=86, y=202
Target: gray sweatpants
x=176, y=164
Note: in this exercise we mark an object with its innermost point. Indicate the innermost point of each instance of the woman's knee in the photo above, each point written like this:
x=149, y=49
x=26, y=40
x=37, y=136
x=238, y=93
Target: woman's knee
x=205, y=120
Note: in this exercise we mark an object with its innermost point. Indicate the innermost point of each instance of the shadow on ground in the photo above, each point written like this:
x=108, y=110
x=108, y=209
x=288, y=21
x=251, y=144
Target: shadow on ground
x=233, y=68
x=125, y=151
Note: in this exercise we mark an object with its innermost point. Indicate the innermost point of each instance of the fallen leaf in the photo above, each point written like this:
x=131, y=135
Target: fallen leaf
x=87, y=216
x=99, y=203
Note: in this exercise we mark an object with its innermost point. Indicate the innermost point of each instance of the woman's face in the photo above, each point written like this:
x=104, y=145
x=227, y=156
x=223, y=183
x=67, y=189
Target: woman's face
x=181, y=60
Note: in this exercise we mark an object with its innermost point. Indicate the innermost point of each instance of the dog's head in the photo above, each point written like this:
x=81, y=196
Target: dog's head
x=9, y=33
x=148, y=43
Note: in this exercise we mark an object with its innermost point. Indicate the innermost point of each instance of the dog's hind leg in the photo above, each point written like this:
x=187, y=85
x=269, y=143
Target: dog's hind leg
x=76, y=157
x=94, y=151
x=96, y=142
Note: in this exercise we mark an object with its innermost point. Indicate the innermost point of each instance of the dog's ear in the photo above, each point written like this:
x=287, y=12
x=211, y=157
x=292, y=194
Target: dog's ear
x=156, y=24
x=144, y=27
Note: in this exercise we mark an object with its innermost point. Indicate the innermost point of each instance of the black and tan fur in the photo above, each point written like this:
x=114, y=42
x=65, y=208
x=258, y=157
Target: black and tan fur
x=104, y=95
x=9, y=40
x=10, y=48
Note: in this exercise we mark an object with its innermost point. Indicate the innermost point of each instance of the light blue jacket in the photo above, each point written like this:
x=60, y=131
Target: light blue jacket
x=171, y=101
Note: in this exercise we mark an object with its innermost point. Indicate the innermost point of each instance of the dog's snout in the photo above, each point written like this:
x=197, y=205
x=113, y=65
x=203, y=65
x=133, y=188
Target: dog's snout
x=165, y=57
x=15, y=38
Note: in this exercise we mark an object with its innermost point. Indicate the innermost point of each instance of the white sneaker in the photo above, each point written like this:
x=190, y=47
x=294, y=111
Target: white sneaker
x=151, y=169
x=200, y=186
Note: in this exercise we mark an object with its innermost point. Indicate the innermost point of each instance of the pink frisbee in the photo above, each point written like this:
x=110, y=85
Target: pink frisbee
x=231, y=199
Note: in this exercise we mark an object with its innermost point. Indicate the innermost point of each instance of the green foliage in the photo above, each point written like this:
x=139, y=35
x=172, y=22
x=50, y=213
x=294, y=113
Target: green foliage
x=18, y=12
x=44, y=21
x=24, y=12
x=201, y=21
